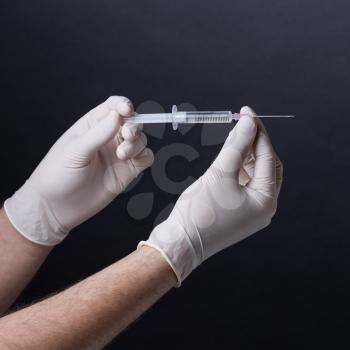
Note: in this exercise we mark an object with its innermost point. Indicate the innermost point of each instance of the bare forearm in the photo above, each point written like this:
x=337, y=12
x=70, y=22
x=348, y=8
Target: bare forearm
x=19, y=261
x=89, y=314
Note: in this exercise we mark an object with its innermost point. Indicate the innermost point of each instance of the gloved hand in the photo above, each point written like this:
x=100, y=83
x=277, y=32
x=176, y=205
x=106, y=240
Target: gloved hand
x=236, y=197
x=82, y=173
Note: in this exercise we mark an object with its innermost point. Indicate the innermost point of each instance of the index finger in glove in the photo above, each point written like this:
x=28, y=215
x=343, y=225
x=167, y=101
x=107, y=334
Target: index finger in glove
x=237, y=145
x=264, y=177
x=131, y=131
x=122, y=105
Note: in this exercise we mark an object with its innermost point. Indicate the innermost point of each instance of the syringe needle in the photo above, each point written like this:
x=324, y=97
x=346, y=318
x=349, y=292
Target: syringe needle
x=275, y=116
x=264, y=116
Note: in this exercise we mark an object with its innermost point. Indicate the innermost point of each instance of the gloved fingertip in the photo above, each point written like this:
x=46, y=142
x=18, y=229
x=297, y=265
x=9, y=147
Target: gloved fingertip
x=130, y=132
x=145, y=159
x=247, y=110
x=121, y=153
x=247, y=124
x=125, y=107
x=146, y=153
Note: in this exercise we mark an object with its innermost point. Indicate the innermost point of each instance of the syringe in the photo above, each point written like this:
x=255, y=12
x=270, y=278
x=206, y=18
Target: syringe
x=178, y=117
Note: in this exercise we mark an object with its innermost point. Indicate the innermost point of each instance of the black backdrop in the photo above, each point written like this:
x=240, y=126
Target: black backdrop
x=286, y=287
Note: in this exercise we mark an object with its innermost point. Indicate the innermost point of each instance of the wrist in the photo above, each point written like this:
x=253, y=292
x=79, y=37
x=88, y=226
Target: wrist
x=32, y=217
x=12, y=237
x=174, y=245
x=155, y=260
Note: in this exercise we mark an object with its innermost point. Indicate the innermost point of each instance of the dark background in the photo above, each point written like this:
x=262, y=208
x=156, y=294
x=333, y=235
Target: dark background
x=284, y=288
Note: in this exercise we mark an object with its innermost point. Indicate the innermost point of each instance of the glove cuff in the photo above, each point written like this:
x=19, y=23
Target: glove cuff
x=171, y=240
x=149, y=244
x=33, y=218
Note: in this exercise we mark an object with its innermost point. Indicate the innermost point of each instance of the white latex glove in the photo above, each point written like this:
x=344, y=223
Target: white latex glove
x=236, y=197
x=83, y=172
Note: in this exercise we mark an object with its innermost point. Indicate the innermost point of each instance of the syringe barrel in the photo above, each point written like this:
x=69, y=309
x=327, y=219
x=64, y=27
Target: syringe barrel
x=177, y=118
x=206, y=117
